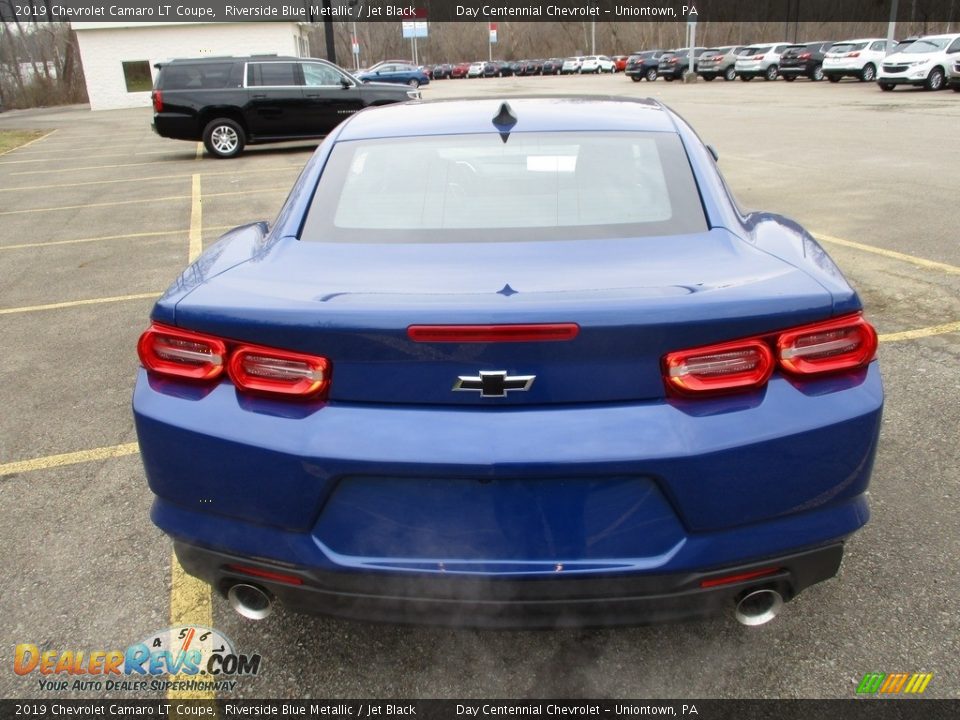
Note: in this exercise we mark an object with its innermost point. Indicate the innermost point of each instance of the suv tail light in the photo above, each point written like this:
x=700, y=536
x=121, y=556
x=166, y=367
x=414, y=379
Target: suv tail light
x=172, y=352
x=180, y=353
x=853, y=54
x=279, y=372
x=157, y=97
x=843, y=344
x=803, y=56
x=846, y=343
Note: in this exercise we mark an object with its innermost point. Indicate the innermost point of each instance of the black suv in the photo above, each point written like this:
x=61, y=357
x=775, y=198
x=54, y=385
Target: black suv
x=805, y=59
x=229, y=102
x=643, y=64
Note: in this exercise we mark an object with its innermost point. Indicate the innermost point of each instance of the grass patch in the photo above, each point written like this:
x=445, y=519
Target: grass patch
x=10, y=139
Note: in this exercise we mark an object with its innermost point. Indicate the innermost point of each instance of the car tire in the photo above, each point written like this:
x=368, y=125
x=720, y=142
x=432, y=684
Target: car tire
x=788, y=78
x=224, y=138
x=886, y=87
x=651, y=74
x=636, y=78
x=869, y=73
x=413, y=82
x=708, y=78
x=668, y=78
x=833, y=78
x=817, y=74
x=934, y=80
x=771, y=73
x=746, y=78
x=729, y=74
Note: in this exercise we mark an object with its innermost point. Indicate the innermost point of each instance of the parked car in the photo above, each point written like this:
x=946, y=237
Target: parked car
x=953, y=76
x=231, y=102
x=760, y=61
x=460, y=71
x=923, y=63
x=677, y=416
x=396, y=73
x=619, y=62
x=597, y=64
x=571, y=65
x=533, y=67
x=674, y=64
x=552, y=66
x=855, y=58
x=497, y=68
x=476, y=70
x=805, y=59
x=442, y=72
x=644, y=65
x=719, y=62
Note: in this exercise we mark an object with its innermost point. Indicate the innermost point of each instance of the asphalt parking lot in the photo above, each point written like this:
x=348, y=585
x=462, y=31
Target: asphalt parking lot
x=98, y=217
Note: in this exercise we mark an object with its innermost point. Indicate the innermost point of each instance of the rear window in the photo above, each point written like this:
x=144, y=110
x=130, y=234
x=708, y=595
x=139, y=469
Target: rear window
x=756, y=51
x=847, y=47
x=201, y=76
x=477, y=188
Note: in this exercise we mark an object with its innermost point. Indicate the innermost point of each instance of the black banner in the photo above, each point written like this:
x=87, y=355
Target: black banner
x=946, y=12
x=854, y=709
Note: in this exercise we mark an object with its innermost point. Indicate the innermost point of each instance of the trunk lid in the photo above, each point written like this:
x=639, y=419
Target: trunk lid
x=634, y=300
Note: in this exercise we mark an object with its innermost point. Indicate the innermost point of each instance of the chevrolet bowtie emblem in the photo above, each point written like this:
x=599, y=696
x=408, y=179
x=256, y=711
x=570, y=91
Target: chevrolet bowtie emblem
x=493, y=383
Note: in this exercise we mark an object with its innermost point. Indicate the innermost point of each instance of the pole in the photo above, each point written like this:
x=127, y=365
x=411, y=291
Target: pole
x=593, y=37
x=356, y=56
x=328, y=32
x=892, y=25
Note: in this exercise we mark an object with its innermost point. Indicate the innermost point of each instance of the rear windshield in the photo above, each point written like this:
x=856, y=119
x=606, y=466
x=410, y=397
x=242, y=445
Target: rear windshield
x=847, y=47
x=477, y=188
x=927, y=45
x=203, y=76
x=756, y=51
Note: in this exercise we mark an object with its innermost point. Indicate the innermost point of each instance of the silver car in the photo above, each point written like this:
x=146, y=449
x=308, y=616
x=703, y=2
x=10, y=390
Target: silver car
x=719, y=62
x=761, y=60
x=953, y=76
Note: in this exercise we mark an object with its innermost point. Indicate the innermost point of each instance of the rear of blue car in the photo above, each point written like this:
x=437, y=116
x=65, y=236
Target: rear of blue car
x=509, y=392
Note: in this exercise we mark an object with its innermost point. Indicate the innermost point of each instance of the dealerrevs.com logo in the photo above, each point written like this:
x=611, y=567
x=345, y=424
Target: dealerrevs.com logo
x=894, y=683
x=202, y=659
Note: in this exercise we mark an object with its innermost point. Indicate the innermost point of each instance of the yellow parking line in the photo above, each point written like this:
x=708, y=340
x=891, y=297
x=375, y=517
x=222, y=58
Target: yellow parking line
x=191, y=603
x=178, y=176
x=920, y=332
x=93, y=167
x=72, y=458
x=196, y=221
x=893, y=254
x=22, y=246
x=28, y=144
x=60, y=156
x=199, y=151
x=77, y=303
x=144, y=200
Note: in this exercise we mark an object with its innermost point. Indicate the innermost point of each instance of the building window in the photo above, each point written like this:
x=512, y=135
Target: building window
x=136, y=73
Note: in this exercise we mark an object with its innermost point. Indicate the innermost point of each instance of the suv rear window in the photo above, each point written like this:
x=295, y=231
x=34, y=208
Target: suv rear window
x=847, y=47
x=756, y=51
x=476, y=188
x=203, y=76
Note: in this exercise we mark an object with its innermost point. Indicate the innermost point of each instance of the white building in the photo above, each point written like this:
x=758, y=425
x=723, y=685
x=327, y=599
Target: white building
x=118, y=58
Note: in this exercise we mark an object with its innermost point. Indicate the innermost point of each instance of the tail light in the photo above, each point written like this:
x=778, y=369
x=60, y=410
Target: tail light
x=172, y=352
x=843, y=344
x=279, y=372
x=803, y=56
x=180, y=353
x=846, y=343
x=852, y=54
x=157, y=97
x=742, y=365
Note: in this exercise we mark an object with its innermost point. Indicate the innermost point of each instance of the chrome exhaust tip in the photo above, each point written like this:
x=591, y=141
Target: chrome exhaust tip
x=758, y=607
x=250, y=601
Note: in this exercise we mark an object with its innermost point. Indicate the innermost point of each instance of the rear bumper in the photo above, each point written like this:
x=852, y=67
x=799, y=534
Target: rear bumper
x=177, y=126
x=534, y=603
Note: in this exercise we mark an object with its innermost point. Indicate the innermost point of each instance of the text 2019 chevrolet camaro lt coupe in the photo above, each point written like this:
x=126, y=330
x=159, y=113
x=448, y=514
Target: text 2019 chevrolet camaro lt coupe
x=511, y=363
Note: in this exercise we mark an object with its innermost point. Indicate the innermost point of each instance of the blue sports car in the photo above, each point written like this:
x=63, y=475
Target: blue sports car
x=515, y=363
x=396, y=73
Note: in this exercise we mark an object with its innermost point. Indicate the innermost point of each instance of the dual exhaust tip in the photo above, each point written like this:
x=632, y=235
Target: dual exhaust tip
x=754, y=607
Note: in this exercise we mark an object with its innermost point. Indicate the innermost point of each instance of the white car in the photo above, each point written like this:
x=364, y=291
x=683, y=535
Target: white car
x=476, y=69
x=924, y=62
x=571, y=65
x=597, y=64
x=760, y=60
x=855, y=58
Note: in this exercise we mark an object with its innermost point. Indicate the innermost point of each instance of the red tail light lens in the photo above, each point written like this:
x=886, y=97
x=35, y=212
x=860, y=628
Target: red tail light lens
x=740, y=365
x=803, y=56
x=179, y=353
x=738, y=577
x=853, y=54
x=842, y=344
x=157, y=98
x=279, y=372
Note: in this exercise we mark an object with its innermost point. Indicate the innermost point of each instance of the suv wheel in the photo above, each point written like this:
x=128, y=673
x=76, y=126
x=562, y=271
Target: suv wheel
x=636, y=78
x=833, y=78
x=934, y=80
x=729, y=74
x=771, y=73
x=224, y=138
x=868, y=73
x=413, y=82
x=651, y=74
x=746, y=78
x=886, y=87
x=817, y=73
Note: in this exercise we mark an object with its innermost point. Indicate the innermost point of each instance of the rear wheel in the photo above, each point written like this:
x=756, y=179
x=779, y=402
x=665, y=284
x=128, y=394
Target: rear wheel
x=746, y=78
x=708, y=78
x=668, y=78
x=833, y=78
x=651, y=74
x=868, y=73
x=636, y=78
x=413, y=82
x=934, y=80
x=729, y=74
x=771, y=73
x=886, y=87
x=817, y=73
x=224, y=138
x=789, y=78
